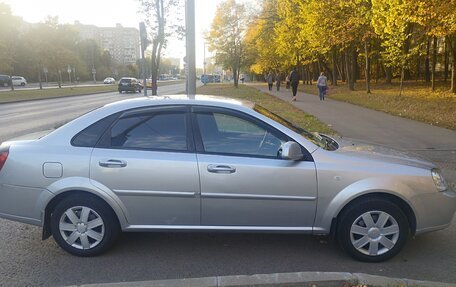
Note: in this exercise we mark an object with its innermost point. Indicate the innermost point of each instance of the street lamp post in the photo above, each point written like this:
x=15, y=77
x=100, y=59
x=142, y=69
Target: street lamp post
x=190, y=41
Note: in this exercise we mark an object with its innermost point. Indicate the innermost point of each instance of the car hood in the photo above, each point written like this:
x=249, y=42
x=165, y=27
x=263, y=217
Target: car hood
x=381, y=154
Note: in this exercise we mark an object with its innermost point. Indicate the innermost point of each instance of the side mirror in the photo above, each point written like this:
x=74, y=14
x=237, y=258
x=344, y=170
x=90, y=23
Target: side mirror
x=290, y=150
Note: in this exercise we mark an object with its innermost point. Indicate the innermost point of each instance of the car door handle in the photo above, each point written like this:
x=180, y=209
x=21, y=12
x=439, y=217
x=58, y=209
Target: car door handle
x=112, y=163
x=216, y=168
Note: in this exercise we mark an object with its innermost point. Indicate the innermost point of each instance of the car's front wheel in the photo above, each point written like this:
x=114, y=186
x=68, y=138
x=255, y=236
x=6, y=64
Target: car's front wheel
x=84, y=225
x=373, y=230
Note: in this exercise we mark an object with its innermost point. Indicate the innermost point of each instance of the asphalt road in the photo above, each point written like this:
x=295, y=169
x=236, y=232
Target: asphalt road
x=25, y=260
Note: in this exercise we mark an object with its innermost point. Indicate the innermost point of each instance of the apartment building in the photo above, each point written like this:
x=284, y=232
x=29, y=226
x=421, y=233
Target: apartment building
x=122, y=43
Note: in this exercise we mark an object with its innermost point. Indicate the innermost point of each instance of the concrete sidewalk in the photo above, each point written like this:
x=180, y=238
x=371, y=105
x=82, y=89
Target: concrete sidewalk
x=433, y=143
x=362, y=123
x=298, y=279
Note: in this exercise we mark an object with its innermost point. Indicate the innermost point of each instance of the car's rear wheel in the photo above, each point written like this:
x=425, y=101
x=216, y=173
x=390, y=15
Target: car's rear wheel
x=22, y=84
x=373, y=230
x=84, y=225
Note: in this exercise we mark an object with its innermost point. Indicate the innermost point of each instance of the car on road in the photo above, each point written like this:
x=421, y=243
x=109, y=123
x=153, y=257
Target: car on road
x=18, y=81
x=148, y=83
x=109, y=81
x=128, y=84
x=204, y=163
x=5, y=81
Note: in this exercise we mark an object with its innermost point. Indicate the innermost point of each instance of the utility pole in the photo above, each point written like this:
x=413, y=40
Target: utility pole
x=204, y=58
x=190, y=46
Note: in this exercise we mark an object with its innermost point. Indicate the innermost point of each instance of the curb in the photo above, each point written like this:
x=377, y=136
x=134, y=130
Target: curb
x=298, y=279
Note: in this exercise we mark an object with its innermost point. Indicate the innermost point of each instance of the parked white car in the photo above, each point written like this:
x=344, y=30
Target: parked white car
x=19, y=81
x=109, y=81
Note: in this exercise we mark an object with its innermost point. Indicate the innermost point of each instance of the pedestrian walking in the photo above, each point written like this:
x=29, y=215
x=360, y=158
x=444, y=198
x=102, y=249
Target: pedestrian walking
x=322, y=84
x=294, y=82
x=278, y=81
x=270, y=80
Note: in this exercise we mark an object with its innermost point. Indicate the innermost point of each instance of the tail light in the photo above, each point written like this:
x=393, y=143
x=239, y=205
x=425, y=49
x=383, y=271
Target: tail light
x=3, y=156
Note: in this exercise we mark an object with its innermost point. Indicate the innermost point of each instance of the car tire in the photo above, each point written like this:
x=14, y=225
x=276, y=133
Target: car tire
x=372, y=229
x=84, y=225
x=120, y=92
x=22, y=84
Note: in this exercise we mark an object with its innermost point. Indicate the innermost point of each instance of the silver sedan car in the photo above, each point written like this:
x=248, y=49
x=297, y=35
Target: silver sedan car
x=203, y=163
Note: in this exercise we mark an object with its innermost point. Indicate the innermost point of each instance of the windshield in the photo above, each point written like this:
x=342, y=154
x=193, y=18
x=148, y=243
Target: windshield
x=320, y=140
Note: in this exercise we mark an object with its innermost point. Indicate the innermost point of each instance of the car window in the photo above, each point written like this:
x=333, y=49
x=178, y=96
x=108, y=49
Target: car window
x=156, y=131
x=234, y=135
x=90, y=135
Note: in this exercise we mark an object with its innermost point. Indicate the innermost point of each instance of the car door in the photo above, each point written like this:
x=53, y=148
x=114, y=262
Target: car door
x=147, y=159
x=244, y=184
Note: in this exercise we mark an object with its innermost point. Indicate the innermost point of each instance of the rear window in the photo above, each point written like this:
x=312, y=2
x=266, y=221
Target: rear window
x=90, y=135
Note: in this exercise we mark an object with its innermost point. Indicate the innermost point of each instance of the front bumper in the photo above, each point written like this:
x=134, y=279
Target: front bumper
x=434, y=211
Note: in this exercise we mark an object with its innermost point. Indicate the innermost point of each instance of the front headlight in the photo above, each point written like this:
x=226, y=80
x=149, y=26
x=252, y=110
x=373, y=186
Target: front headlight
x=439, y=181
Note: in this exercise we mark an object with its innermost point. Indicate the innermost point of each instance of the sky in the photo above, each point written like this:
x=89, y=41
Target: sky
x=106, y=13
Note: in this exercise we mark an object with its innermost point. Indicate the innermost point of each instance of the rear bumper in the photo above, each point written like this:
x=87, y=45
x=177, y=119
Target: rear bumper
x=23, y=204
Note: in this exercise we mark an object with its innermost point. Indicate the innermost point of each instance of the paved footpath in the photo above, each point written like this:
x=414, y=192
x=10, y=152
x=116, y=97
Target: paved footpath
x=431, y=142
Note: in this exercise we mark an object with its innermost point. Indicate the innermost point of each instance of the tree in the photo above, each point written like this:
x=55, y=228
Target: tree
x=391, y=21
x=8, y=38
x=260, y=45
x=157, y=13
x=438, y=19
x=226, y=36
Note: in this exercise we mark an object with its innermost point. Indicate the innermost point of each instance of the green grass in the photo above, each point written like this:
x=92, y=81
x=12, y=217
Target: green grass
x=24, y=95
x=277, y=106
x=417, y=101
x=46, y=93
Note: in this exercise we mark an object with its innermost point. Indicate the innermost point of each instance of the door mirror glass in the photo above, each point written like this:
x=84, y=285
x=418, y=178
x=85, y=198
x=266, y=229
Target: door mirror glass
x=291, y=151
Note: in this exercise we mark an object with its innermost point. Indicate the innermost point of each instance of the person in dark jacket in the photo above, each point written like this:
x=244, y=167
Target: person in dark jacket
x=278, y=81
x=270, y=80
x=294, y=82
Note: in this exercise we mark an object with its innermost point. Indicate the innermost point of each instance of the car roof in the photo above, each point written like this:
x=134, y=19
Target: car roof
x=180, y=99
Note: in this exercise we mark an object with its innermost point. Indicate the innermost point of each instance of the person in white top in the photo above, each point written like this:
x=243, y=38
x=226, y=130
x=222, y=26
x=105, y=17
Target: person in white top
x=322, y=84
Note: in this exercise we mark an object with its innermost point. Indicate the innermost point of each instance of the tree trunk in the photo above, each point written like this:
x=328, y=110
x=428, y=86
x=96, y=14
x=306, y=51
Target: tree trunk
x=367, y=69
x=446, y=61
x=334, y=62
x=60, y=78
x=434, y=60
x=39, y=78
x=418, y=69
x=341, y=68
x=309, y=75
x=427, y=74
x=402, y=80
x=377, y=69
x=452, y=45
x=351, y=72
x=355, y=68
x=388, y=75
x=235, y=69
x=347, y=68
